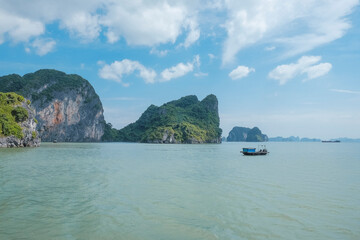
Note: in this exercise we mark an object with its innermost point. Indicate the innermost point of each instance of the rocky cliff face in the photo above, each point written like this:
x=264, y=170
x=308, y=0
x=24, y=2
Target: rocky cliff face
x=243, y=134
x=17, y=122
x=67, y=107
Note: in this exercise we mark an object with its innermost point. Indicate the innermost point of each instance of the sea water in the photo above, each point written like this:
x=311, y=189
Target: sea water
x=146, y=191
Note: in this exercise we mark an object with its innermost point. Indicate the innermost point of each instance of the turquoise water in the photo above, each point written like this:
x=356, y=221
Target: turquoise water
x=145, y=191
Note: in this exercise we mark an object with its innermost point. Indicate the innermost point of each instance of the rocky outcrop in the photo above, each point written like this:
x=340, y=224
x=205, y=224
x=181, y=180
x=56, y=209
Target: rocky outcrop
x=186, y=120
x=27, y=136
x=243, y=134
x=238, y=134
x=67, y=106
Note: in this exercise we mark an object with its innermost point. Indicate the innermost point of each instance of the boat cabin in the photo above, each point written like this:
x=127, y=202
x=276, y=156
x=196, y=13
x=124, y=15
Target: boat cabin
x=249, y=150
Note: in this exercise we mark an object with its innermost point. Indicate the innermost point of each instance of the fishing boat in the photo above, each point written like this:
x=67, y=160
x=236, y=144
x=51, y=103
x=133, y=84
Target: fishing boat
x=253, y=152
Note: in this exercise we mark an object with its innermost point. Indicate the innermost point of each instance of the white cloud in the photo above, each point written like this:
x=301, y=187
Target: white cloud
x=18, y=29
x=139, y=22
x=177, y=71
x=240, y=72
x=43, y=46
x=270, y=48
x=180, y=69
x=101, y=63
x=345, y=91
x=117, y=70
x=83, y=25
x=22, y=20
x=201, y=74
x=305, y=65
x=211, y=56
x=296, y=26
x=194, y=33
x=160, y=53
x=112, y=37
x=318, y=70
x=299, y=26
x=149, y=23
x=196, y=61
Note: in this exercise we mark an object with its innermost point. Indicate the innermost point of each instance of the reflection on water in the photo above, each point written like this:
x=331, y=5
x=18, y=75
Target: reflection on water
x=145, y=191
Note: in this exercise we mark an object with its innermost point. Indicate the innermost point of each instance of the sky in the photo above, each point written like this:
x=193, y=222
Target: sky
x=291, y=68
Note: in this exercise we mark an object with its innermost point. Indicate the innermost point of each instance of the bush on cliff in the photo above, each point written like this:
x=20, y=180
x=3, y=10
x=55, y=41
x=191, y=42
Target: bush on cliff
x=11, y=114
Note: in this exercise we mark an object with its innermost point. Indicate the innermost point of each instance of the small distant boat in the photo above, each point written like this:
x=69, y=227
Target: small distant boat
x=54, y=141
x=253, y=152
x=330, y=141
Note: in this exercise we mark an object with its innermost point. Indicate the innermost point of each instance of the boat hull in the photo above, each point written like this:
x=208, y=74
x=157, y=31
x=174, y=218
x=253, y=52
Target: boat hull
x=254, y=153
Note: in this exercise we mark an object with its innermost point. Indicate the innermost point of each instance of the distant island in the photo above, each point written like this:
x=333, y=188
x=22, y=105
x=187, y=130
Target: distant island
x=293, y=139
x=298, y=139
x=186, y=120
x=244, y=134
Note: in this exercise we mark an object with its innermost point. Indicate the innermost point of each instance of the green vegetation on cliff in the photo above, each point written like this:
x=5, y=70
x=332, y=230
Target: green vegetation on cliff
x=186, y=120
x=44, y=85
x=11, y=114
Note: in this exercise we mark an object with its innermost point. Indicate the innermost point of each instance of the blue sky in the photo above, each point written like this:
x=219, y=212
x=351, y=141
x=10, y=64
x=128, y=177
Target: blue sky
x=289, y=68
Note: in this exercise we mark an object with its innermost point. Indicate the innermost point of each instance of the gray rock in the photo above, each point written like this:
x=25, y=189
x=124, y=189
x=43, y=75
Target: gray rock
x=244, y=134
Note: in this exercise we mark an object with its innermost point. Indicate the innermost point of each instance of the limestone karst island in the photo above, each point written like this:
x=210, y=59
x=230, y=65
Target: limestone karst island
x=55, y=106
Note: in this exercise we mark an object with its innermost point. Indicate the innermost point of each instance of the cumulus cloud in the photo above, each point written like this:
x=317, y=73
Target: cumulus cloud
x=83, y=25
x=305, y=65
x=317, y=22
x=149, y=23
x=317, y=70
x=194, y=33
x=295, y=26
x=42, y=46
x=201, y=74
x=118, y=69
x=240, y=72
x=180, y=69
x=160, y=53
x=29, y=18
x=211, y=56
x=145, y=24
x=17, y=28
x=196, y=61
x=138, y=22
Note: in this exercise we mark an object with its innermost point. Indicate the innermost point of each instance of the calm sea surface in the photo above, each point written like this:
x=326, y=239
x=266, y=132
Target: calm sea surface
x=145, y=191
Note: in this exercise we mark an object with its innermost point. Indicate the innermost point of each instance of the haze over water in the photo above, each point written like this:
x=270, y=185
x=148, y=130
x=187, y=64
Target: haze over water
x=144, y=191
